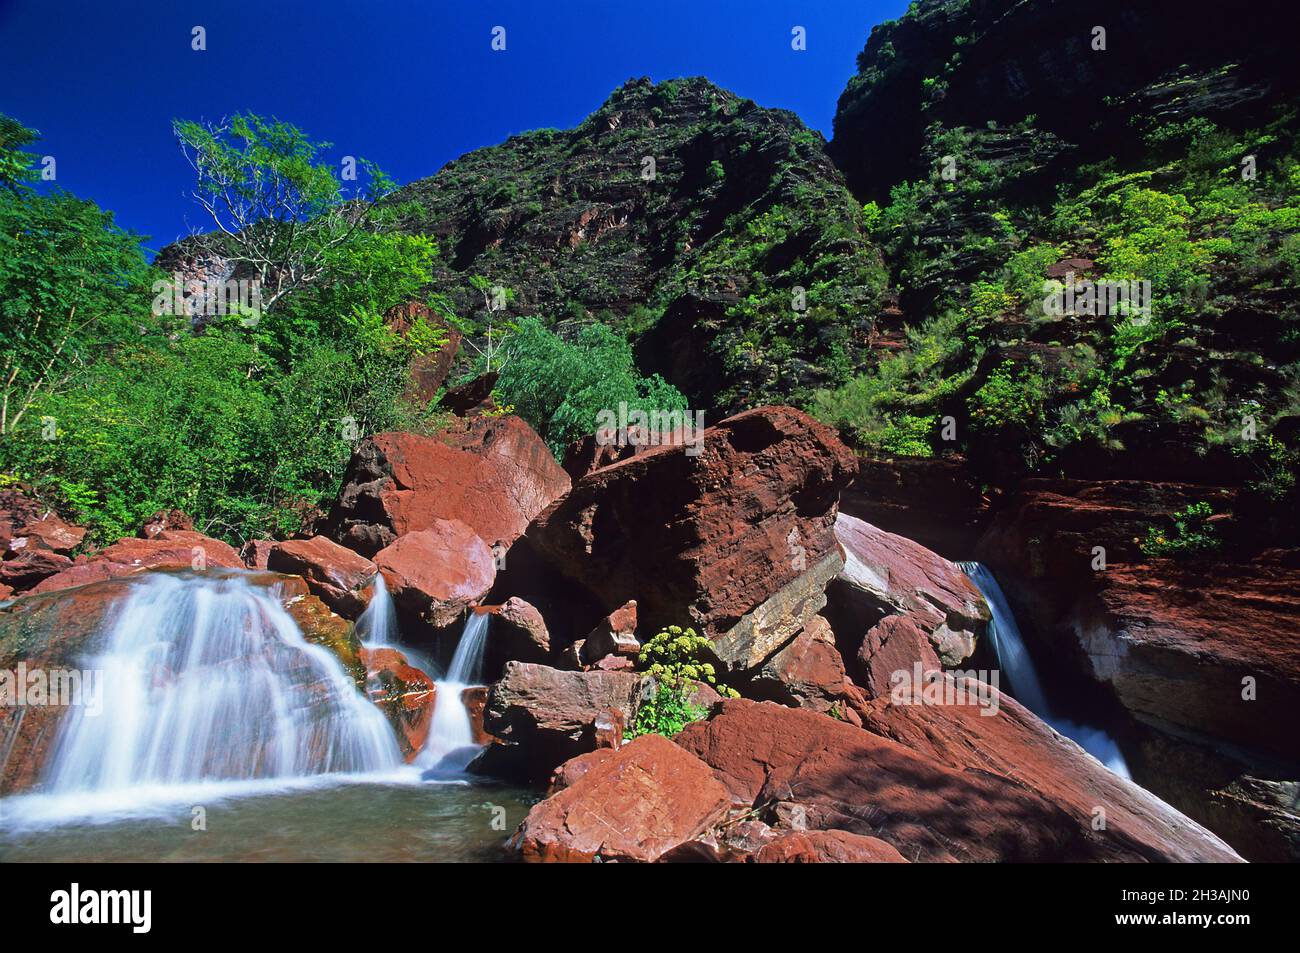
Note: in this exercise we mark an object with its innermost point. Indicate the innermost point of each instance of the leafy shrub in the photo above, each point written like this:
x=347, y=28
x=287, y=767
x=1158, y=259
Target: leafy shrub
x=666, y=713
x=1010, y=399
x=675, y=658
x=1192, y=534
x=560, y=386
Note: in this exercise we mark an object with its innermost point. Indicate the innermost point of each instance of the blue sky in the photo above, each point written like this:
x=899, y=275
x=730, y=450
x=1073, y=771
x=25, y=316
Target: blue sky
x=410, y=85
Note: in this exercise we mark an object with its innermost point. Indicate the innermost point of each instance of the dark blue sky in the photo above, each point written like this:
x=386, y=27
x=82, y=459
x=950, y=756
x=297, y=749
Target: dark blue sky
x=410, y=85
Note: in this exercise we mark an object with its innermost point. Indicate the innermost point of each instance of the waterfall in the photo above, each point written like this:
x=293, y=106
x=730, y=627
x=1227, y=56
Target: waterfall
x=1022, y=678
x=209, y=684
x=376, y=626
x=450, y=745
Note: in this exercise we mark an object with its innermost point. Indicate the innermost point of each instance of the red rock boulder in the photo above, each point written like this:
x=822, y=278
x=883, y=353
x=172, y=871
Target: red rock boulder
x=1015, y=743
x=256, y=553
x=813, y=772
x=165, y=520
x=27, y=526
x=807, y=673
x=828, y=847
x=519, y=634
x=733, y=535
x=170, y=549
x=614, y=635
x=493, y=474
x=30, y=566
x=634, y=805
x=437, y=573
x=404, y=694
x=545, y=716
x=343, y=580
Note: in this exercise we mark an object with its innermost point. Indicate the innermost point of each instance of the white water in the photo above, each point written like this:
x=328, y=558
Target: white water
x=450, y=745
x=1025, y=686
x=209, y=689
x=377, y=626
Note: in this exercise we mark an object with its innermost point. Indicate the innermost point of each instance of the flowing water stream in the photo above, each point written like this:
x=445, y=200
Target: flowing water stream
x=451, y=746
x=1025, y=686
x=214, y=700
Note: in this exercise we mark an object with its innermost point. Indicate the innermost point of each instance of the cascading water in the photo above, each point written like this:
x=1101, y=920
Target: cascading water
x=1024, y=684
x=450, y=745
x=209, y=685
x=376, y=626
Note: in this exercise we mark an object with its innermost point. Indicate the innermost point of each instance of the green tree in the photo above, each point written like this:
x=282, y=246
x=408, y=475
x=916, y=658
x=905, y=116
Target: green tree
x=71, y=283
x=279, y=209
x=560, y=386
x=15, y=164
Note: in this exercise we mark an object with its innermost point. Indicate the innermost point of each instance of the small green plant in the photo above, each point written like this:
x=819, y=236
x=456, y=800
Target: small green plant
x=677, y=656
x=1192, y=534
x=666, y=713
x=675, y=659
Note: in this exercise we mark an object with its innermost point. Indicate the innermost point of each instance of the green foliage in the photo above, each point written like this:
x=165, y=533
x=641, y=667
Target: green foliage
x=666, y=713
x=15, y=164
x=1192, y=534
x=678, y=655
x=676, y=659
x=893, y=408
x=71, y=283
x=561, y=386
x=113, y=412
x=277, y=204
x=1012, y=398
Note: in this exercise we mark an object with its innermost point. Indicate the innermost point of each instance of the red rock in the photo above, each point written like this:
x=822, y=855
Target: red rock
x=492, y=473
x=437, y=573
x=1175, y=640
x=814, y=772
x=427, y=371
x=170, y=549
x=343, y=580
x=567, y=774
x=164, y=520
x=704, y=540
x=614, y=663
x=26, y=525
x=31, y=566
x=828, y=847
x=256, y=552
x=635, y=805
x=320, y=625
x=49, y=632
x=886, y=574
x=472, y=398
x=935, y=501
x=519, y=634
x=895, y=644
x=1016, y=744
x=5, y=591
x=403, y=693
x=1068, y=266
x=590, y=453
x=807, y=673
x=474, y=699
x=545, y=716
x=614, y=635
